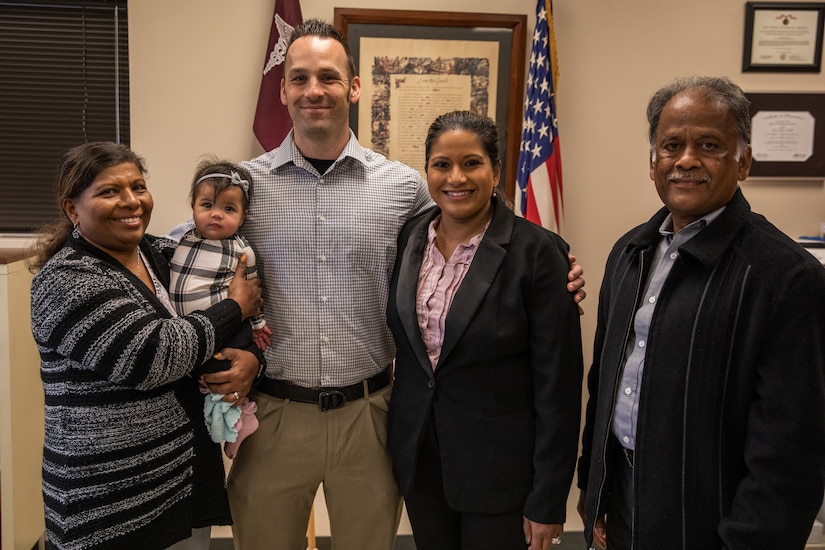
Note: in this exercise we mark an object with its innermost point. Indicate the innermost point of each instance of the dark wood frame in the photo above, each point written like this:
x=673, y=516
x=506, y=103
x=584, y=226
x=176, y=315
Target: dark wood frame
x=750, y=10
x=813, y=103
x=510, y=89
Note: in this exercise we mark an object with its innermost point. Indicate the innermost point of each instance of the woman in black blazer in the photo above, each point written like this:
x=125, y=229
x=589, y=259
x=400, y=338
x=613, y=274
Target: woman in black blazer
x=485, y=411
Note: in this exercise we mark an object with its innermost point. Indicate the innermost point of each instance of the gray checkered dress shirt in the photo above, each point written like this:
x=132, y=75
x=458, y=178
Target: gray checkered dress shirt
x=326, y=245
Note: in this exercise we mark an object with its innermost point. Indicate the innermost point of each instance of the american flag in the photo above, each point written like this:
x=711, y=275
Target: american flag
x=272, y=122
x=539, y=190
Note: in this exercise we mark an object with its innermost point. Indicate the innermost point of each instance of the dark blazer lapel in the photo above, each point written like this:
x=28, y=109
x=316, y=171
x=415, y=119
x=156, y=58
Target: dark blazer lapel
x=476, y=283
x=407, y=288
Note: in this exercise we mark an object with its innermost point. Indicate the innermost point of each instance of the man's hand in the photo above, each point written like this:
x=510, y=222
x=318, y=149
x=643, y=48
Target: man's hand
x=576, y=284
x=599, y=532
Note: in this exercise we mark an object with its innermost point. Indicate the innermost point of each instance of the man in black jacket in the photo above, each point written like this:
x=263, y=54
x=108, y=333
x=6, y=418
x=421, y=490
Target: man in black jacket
x=705, y=426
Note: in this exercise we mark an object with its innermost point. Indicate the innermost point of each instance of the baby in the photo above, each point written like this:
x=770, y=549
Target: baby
x=202, y=267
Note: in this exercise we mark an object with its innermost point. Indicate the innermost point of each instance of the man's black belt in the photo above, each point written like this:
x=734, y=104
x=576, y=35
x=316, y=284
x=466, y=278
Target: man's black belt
x=325, y=398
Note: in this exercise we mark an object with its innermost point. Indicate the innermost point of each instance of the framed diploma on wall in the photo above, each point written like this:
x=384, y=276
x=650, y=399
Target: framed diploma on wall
x=783, y=37
x=788, y=135
x=416, y=65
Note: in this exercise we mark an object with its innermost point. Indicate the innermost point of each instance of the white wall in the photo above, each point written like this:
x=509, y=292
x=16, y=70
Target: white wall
x=195, y=67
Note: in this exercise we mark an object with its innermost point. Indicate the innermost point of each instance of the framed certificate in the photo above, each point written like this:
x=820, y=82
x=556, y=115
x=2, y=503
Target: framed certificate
x=416, y=65
x=783, y=36
x=788, y=135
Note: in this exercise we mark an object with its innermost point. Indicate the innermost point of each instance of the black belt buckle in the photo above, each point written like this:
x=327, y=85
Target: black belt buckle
x=331, y=400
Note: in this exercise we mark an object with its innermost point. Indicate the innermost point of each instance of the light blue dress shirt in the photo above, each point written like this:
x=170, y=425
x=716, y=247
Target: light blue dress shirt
x=628, y=392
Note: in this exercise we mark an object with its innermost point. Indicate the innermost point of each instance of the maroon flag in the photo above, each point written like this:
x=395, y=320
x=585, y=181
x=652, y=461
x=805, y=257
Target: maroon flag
x=272, y=122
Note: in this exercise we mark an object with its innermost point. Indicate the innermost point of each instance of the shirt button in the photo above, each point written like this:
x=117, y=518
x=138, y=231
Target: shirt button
x=324, y=299
x=641, y=343
x=652, y=299
x=674, y=255
x=626, y=439
x=323, y=258
x=325, y=339
x=430, y=384
x=321, y=180
x=628, y=391
x=322, y=218
x=326, y=378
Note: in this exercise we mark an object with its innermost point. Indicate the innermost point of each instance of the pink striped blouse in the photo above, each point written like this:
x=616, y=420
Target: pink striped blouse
x=438, y=281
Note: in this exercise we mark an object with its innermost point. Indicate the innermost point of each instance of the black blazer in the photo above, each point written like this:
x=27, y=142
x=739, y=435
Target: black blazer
x=506, y=394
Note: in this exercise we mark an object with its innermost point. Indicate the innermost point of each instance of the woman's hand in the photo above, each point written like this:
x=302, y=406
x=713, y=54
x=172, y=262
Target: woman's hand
x=247, y=292
x=236, y=382
x=541, y=536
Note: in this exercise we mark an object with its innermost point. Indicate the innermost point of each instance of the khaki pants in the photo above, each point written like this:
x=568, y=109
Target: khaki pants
x=276, y=474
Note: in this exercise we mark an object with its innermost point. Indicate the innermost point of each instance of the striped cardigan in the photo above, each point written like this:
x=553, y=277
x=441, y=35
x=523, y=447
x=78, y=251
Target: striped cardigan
x=127, y=462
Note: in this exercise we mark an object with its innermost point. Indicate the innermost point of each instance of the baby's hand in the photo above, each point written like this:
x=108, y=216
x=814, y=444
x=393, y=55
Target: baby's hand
x=261, y=337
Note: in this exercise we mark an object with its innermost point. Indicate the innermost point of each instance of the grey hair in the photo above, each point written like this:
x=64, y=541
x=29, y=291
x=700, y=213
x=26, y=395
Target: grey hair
x=720, y=89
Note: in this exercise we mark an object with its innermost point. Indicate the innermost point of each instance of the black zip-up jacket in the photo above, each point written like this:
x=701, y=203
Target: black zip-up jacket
x=730, y=442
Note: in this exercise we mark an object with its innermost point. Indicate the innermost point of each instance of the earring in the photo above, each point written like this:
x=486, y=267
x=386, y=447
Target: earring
x=75, y=232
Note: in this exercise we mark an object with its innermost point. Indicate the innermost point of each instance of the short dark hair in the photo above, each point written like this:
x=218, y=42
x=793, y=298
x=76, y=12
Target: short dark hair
x=212, y=165
x=719, y=88
x=322, y=29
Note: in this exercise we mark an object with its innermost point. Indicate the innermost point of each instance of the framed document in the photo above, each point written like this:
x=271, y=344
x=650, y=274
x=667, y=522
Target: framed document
x=788, y=135
x=416, y=65
x=783, y=36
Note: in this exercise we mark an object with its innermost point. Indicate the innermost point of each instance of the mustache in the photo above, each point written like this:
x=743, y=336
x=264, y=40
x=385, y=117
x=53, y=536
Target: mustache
x=693, y=176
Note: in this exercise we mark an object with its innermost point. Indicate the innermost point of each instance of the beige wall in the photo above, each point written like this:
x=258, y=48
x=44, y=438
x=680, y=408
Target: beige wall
x=22, y=412
x=195, y=68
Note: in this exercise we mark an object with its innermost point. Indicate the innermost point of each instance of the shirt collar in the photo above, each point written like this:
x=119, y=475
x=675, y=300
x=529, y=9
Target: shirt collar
x=666, y=229
x=288, y=153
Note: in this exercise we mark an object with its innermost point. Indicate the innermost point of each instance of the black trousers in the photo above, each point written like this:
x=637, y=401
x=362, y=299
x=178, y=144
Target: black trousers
x=619, y=501
x=436, y=526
